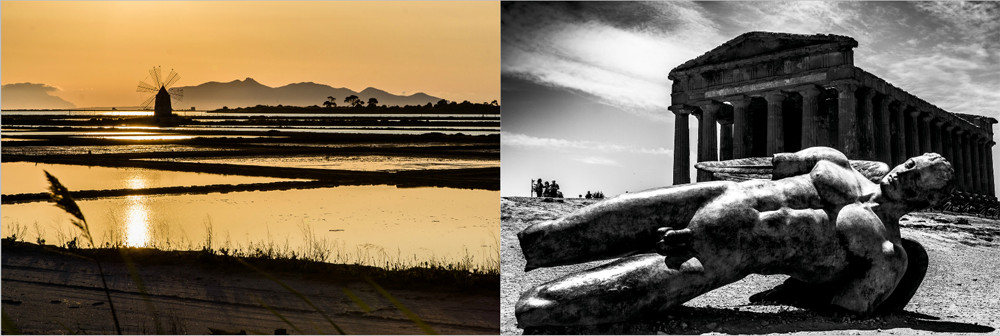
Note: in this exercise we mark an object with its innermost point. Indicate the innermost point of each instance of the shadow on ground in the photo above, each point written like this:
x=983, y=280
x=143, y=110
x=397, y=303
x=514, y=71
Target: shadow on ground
x=689, y=320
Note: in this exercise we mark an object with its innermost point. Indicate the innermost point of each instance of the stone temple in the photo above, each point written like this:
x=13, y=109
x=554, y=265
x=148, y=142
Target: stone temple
x=775, y=92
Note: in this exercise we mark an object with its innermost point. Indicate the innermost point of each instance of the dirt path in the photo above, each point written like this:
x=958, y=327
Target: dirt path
x=960, y=293
x=48, y=293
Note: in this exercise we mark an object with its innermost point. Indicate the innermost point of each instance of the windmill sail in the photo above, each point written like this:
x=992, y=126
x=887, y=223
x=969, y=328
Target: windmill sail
x=160, y=91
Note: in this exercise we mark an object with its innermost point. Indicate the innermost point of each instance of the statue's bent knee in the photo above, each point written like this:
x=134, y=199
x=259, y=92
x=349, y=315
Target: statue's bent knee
x=534, y=308
x=916, y=268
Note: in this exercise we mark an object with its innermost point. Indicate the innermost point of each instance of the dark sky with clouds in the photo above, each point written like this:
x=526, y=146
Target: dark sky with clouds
x=585, y=85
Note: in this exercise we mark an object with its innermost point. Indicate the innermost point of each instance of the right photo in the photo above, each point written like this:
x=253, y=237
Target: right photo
x=749, y=167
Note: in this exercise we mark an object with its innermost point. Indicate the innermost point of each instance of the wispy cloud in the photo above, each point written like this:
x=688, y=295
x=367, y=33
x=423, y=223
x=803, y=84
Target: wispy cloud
x=598, y=160
x=957, y=65
x=619, y=53
x=523, y=140
x=975, y=20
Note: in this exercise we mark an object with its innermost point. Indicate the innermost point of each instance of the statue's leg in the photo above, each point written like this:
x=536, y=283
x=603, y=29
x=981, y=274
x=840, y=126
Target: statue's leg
x=629, y=288
x=798, y=293
x=617, y=227
x=877, y=261
x=916, y=268
x=865, y=291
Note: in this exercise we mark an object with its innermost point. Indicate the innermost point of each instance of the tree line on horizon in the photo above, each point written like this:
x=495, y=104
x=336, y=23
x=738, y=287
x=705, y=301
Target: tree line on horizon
x=355, y=104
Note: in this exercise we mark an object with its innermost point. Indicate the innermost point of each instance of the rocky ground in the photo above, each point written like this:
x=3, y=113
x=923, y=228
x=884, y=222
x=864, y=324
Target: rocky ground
x=960, y=293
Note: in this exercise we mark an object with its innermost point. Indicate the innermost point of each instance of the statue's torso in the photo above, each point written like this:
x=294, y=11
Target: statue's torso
x=787, y=226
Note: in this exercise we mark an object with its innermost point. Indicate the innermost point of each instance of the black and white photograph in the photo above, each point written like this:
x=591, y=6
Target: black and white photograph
x=749, y=167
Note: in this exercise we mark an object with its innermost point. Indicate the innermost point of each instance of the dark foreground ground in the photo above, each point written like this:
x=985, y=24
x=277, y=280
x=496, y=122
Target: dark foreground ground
x=960, y=293
x=52, y=291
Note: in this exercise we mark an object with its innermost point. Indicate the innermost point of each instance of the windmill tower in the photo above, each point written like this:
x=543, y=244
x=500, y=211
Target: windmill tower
x=162, y=93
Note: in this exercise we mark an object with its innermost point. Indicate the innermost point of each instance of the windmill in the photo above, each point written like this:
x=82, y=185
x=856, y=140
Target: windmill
x=161, y=92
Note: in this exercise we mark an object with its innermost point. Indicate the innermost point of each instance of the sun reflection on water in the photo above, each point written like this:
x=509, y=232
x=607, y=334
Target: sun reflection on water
x=136, y=222
x=142, y=137
x=136, y=215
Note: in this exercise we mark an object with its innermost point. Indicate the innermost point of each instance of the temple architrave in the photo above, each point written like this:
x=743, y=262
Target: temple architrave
x=766, y=93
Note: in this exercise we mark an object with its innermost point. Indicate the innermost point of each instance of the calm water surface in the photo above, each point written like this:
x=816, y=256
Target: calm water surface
x=356, y=224
x=351, y=162
x=89, y=133
x=27, y=177
x=110, y=113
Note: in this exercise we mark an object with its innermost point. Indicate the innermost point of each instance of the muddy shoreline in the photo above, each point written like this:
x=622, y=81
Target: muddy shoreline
x=51, y=290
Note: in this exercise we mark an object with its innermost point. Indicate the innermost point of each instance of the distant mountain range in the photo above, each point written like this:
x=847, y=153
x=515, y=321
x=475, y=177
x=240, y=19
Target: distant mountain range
x=248, y=92
x=32, y=96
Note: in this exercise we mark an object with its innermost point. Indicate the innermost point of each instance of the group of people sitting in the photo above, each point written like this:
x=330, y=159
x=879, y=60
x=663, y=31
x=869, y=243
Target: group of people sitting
x=594, y=195
x=546, y=189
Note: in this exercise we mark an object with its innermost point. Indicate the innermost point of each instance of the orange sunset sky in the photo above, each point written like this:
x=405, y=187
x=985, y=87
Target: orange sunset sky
x=94, y=53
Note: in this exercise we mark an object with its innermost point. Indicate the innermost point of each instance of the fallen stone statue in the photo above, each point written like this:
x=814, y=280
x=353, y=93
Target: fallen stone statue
x=834, y=231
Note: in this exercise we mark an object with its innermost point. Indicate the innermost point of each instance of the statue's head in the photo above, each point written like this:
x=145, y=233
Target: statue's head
x=921, y=181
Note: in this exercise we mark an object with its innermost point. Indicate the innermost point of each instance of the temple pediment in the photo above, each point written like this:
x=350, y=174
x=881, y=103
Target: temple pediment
x=755, y=44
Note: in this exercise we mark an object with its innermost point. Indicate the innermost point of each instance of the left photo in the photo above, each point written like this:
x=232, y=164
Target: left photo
x=250, y=167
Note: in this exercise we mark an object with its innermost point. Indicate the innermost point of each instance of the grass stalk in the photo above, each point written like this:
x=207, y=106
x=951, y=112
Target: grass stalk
x=406, y=311
x=8, y=325
x=60, y=195
x=134, y=274
x=294, y=292
x=357, y=300
x=282, y=317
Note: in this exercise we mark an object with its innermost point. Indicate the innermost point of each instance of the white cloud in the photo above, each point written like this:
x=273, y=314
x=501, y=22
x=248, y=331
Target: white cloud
x=805, y=17
x=948, y=82
x=944, y=52
x=625, y=67
x=972, y=19
x=598, y=160
x=523, y=140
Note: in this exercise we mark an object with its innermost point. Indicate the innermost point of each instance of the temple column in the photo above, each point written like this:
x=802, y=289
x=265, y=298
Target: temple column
x=883, y=140
x=937, y=134
x=925, y=133
x=970, y=167
x=913, y=133
x=810, y=112
x=775, y=122
x=741, y=126
x=899, y=154
x=959, y=163
x=725, y=139
x=682, y=157
x=974, y=163
x=981, y=167
x=848, y=120
x=986, y=166
x=708, y=146
x=948, y=143
x=866, y=119
x=989, y=169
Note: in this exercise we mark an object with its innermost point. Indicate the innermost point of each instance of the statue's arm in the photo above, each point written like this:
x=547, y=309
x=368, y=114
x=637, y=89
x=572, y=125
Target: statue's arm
x=803, y=161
